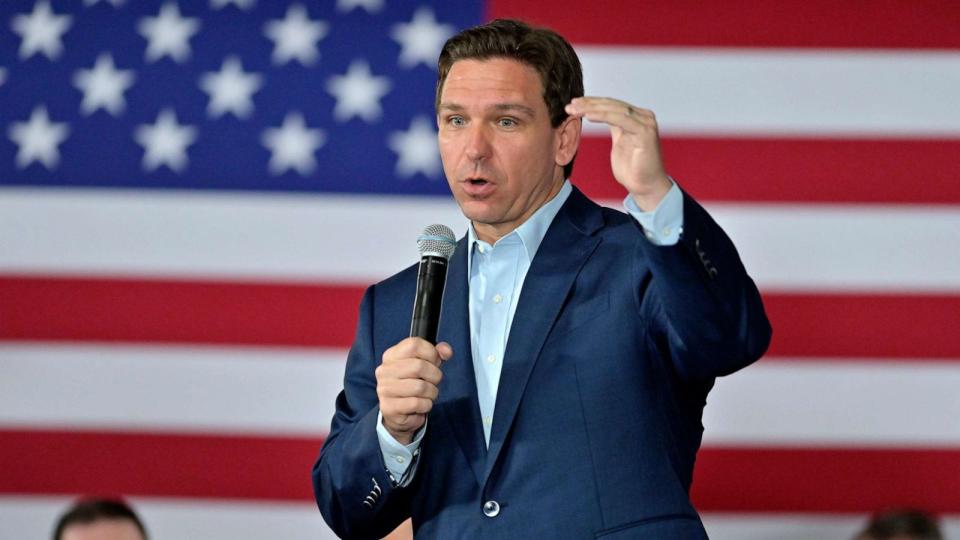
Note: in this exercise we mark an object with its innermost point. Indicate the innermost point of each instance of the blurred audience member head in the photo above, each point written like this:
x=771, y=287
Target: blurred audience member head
x=901, y=525
x=99, y=519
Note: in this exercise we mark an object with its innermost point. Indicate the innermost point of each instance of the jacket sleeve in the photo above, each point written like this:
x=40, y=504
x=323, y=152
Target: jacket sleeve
x=350, y=482
x=702, y=306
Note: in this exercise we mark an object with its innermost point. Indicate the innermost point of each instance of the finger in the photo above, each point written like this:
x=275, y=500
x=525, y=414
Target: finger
x=407, y=406
x=402, y=411
x=633, y=121
x=430, y=373
x=412, y=347
x=444, y=350
x=604, y=102
x=407, y=388
x=582, y=106
x=410, y=368
x=630, y=124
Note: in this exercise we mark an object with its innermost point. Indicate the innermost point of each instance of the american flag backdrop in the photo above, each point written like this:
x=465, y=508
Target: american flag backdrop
x=193, y=195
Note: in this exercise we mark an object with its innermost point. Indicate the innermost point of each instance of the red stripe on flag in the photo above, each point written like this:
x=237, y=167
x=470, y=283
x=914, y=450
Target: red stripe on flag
x=163, y=311
x=826, y=479
x=276, y=468
x=792, y=169
x=152, y=464
x=864, y=325
x=917, y=24
x=143, y=310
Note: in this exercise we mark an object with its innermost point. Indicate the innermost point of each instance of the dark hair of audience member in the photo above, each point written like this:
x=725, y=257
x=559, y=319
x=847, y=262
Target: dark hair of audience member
x=90, y=510
x=901, y=524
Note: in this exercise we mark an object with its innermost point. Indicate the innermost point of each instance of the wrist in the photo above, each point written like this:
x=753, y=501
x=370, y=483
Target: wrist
x=649, y=196
x=402, y=437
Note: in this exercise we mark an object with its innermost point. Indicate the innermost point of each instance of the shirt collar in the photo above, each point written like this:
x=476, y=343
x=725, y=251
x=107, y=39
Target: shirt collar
x=532, y=231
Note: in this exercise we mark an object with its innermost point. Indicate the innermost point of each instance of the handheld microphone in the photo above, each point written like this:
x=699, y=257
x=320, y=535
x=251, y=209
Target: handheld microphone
x=436, y=245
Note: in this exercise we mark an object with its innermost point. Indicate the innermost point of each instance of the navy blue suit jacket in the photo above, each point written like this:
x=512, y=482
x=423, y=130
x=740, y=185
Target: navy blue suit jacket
x=613, y=348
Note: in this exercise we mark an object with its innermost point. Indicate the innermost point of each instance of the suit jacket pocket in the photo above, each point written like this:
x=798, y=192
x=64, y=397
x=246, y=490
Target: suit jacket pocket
x=673, y=527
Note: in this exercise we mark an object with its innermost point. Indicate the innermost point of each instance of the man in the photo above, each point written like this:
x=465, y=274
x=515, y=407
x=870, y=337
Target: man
x=577, y=343
x=99, y=519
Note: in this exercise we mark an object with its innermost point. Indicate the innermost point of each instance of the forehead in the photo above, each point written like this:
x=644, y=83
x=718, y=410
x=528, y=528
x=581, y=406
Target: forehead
x=494, y=79
x=103, y=529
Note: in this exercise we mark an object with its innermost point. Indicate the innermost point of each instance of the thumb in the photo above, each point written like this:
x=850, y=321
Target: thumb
x=444, y=350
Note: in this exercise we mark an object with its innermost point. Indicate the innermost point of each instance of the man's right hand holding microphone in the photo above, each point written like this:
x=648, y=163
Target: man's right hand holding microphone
x=407, y=382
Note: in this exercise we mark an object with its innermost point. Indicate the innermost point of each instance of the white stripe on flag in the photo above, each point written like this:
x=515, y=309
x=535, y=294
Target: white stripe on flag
x=837, y=401
x=177, y=518
x=361, y=239
x=170, y=388
x=750, y=91
x=797, y=526
x=291, y=391
x=32, y=518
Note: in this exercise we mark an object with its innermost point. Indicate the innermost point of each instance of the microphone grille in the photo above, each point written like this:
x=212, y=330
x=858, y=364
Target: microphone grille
x=437, y=240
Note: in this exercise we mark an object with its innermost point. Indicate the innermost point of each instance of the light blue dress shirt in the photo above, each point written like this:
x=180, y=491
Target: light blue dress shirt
x=496, y=278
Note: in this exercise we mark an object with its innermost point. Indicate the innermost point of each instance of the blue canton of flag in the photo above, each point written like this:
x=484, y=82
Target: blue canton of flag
x=226, y=94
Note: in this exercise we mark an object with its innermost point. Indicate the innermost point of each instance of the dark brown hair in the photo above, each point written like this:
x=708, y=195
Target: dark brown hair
x=540, y=48
x=90, y=510
x=908, y=523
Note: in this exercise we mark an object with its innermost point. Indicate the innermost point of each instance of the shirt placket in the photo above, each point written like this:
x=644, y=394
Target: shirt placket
x=499, y=269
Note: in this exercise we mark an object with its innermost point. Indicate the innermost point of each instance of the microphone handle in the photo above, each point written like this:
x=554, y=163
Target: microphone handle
x=431, y=277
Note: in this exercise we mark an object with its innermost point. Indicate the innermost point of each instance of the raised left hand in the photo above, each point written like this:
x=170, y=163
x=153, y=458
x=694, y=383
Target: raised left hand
x=635, y=156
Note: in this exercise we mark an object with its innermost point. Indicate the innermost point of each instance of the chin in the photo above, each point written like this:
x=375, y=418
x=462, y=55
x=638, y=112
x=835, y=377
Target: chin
x=476, y=211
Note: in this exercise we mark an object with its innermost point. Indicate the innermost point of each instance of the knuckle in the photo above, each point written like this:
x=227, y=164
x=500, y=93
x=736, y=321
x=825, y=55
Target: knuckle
x=424, y=405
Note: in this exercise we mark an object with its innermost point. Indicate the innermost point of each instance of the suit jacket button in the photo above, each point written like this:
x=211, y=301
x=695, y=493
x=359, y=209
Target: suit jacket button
x=491, y=508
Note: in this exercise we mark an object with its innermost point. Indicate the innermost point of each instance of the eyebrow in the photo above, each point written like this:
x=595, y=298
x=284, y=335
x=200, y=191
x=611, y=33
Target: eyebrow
x=500, y=107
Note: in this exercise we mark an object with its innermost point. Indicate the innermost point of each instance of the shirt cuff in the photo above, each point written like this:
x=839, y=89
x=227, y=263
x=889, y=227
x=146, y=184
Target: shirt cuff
x=664, y=225
x=400, y=460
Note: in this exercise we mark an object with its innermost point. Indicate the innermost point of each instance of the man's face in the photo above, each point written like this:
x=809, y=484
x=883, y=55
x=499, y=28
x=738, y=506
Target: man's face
x=502, y=158
x=102, y=529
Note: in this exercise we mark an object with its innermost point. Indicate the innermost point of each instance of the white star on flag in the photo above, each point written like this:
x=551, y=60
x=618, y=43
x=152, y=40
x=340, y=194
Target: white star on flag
x=416, y=149
x=230, y=89
x=41, y=31
x=38, y=139
x=242, y=4
x=295, y=36
x=371, y=6
x=421, y=39
x=165, y=142
x=292, y=145
x=103, y=86
x=358, y=93
x=168, y=34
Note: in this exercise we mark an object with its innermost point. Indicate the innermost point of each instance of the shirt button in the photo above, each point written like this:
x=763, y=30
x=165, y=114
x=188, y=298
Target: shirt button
x=491, y=359
x=491, y=509
x=400, y=459
x=666, y=231
x=497, y=299
x=480, y=248
x=487, y=420
x=649, y=234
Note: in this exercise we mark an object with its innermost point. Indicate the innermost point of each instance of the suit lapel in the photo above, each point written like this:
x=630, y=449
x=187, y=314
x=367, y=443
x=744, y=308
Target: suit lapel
x=565, y=248
x=458, y=389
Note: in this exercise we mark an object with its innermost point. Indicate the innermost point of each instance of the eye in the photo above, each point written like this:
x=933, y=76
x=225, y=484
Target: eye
x=456, y=121
x=507, y=122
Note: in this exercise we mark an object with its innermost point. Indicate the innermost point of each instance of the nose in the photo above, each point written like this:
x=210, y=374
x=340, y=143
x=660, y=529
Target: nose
x=478, y=143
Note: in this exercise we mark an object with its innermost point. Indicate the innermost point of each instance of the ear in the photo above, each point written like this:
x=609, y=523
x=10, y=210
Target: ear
x=568, y=140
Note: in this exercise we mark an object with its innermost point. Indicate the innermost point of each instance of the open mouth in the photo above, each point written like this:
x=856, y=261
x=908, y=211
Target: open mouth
x=477, y=187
